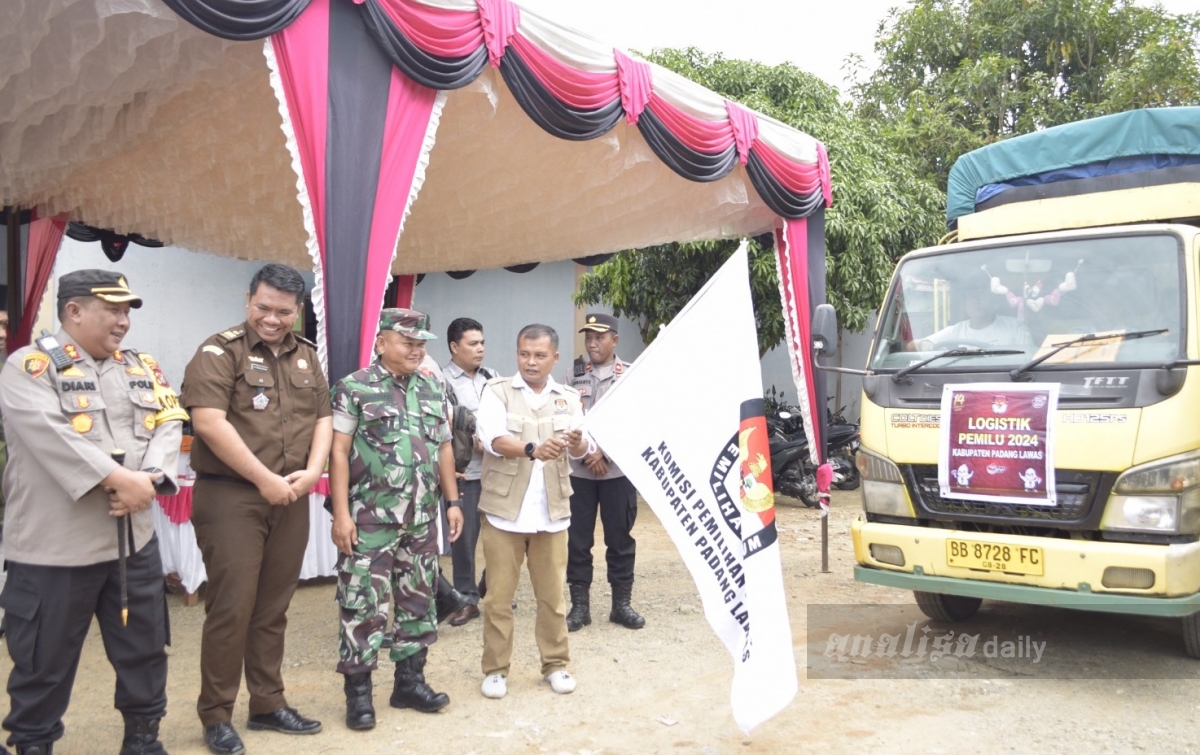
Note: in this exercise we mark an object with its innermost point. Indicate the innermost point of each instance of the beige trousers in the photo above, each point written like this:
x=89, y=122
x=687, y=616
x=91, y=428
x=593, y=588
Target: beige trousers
x=547, y=555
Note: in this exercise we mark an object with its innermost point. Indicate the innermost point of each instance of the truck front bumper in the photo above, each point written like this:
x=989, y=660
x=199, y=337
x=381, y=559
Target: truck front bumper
x=1073, y=570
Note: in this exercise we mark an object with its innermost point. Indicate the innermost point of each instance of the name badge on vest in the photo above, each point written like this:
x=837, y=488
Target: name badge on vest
x=260, y=401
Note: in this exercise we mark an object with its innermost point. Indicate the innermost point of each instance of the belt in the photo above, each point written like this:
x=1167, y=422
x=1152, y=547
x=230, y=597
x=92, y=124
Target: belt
x=223, y=478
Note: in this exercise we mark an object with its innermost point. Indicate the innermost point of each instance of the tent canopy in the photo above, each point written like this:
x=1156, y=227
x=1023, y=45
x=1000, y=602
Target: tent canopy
x=123, y=115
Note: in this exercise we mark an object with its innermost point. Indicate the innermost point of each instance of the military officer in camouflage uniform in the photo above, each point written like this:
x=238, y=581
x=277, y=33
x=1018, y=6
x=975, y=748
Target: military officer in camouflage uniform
x=391, y=450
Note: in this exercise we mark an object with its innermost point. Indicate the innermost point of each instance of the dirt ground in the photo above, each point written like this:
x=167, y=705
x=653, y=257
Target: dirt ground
x=665, y=688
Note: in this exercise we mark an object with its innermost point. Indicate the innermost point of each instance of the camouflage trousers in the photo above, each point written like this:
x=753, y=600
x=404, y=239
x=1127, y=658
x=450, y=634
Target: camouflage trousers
x=389, y=563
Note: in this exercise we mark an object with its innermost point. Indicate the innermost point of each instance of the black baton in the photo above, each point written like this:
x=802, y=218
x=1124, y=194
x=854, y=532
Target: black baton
x=118, y=455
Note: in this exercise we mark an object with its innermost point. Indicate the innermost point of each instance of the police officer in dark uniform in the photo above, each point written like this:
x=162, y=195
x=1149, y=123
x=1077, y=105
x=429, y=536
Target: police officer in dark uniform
x=260, y=406
x=599, y=485
x=69, y=402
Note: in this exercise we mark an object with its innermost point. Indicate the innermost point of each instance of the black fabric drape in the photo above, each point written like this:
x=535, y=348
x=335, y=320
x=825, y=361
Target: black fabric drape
x=113, y=244
x=521, y=268
x=359, y=78
x=239, y=19
x=427, y=70
x=591, y=260
x=782, y=200
x=687, y=162
x=544, y=109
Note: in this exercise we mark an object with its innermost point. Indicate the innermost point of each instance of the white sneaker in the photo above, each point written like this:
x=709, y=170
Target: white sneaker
x=561, y=682
x=495, y=686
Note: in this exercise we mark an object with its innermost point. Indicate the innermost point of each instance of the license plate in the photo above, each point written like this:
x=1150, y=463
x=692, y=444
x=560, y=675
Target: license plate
x=1012, y=559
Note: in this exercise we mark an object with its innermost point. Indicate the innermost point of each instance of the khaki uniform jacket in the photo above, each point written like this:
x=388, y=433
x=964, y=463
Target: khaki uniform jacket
x=61, y=428
x=591, y=387
x=505, y=481
x=231, y=370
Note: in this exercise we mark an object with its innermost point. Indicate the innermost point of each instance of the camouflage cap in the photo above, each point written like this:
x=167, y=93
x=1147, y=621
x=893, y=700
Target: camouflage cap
x=408, y=322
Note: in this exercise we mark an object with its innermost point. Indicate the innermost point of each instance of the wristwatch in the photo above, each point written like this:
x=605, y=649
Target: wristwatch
x=455, y=504
x=529, y=449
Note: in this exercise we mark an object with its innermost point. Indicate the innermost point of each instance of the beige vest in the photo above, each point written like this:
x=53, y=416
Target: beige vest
x=505, y=481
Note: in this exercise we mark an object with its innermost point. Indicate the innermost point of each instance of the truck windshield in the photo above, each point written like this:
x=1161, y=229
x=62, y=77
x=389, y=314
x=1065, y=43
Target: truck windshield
x=1029, y=298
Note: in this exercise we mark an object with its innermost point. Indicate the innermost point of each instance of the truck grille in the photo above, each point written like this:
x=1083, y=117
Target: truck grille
x=1077, y=491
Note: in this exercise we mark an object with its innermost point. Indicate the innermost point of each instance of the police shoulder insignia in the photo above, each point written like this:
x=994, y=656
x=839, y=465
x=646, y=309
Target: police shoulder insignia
x=82, y=423
x=211, y=349
x=35, y=364
x=71, y=351
x=302, y=339
x=151, y=364
x=118, y=357
x=72, y=371
x=134, y=371
x=232, y=333
x=618, y=367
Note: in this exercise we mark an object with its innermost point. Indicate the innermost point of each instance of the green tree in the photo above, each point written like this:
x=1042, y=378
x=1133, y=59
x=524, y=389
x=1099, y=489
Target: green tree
x=881, y=209
x=955, y=75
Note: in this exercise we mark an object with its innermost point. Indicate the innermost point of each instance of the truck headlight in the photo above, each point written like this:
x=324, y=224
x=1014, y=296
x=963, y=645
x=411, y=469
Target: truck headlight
x=1162, y=496
x=882, y=486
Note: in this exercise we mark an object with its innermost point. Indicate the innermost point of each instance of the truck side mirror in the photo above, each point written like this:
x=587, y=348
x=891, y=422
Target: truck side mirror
x=825, y=331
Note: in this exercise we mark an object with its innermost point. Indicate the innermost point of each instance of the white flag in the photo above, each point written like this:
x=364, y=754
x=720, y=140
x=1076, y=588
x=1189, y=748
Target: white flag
x=699, y=456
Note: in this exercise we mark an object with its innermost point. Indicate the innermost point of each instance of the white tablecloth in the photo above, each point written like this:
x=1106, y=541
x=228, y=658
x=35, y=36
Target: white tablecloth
x=181, y=555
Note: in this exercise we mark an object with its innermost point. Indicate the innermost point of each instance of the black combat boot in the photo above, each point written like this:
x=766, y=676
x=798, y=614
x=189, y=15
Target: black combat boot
x=141, y=736
x=411, y=691
x=622, y=612
x=360, y=709
x=581, y=610
x=448, y=600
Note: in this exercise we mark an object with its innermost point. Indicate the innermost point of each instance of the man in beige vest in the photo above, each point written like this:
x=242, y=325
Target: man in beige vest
x=528, y=425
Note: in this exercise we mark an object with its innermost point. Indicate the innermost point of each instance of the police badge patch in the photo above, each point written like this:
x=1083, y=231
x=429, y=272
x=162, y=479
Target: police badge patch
x=82, y=423
x=35, y=364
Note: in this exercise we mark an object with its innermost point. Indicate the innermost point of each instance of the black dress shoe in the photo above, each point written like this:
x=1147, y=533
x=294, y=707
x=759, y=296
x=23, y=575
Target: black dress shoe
x=223, y=740
x=284, y=721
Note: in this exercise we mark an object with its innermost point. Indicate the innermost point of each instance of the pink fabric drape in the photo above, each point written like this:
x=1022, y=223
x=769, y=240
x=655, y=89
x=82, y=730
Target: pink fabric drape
x=499, y=19
x=410, y=106
x=438, y=31
x=45, y=236
x=744, y=125
x=791, y=244
x=583, y=90
x=302, y=52
x=799, y=177
x=633, y=77
x=708, y=137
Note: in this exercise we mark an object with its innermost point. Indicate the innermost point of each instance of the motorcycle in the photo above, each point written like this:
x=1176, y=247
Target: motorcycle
x=792, y=467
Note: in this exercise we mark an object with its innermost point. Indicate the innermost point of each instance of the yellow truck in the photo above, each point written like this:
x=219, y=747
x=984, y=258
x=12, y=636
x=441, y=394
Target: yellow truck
x=1031, y=405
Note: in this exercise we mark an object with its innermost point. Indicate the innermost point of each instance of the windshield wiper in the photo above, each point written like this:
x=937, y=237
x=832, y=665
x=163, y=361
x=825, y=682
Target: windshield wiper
x=1015, y=374
x=907, y=370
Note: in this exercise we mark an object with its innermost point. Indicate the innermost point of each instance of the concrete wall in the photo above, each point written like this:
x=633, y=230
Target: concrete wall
x=187, y=296
x=505, y=302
